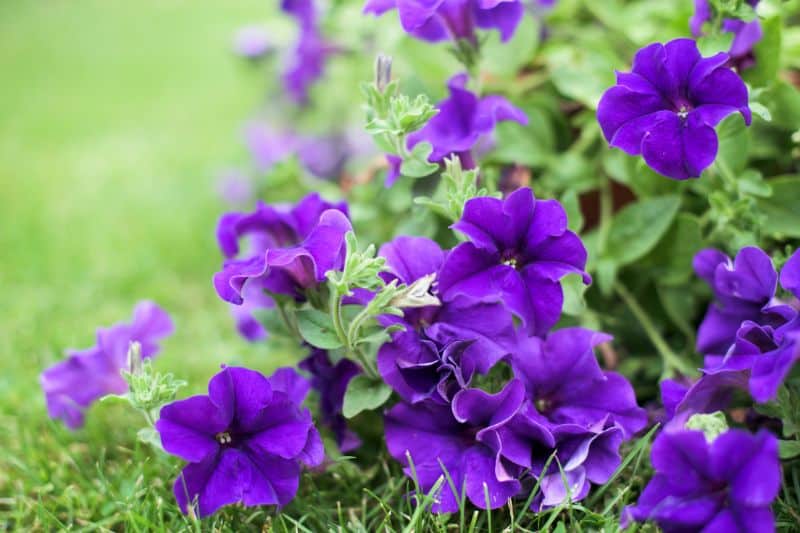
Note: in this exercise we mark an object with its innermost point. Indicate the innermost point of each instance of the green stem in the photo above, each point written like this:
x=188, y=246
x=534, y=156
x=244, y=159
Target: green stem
x=670, y=358
x=344, y=338
x=606, y=213
x=289, y=323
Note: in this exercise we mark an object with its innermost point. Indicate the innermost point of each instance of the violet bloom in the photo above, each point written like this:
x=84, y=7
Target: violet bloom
x=245, y=441
x=460, y=440
x=746, y=34
x=251, y=42
x=290, y=249
x=330, y=381
x=307, y=61
x=442, y=346
x=520, y=249
x=254, y=300
x=585, y=455
x=462, y=120
x=455, y=20
x=72, y=385
x=726, y=485
x=744, y=289
x=667, y=107
x=567, y=386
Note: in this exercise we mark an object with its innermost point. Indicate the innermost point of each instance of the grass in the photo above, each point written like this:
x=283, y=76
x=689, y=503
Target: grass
x=113, y=118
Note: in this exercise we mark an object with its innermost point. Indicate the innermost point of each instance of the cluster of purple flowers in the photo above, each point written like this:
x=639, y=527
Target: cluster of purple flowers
x=72, y=385
x=750, y=338
x=558, y=400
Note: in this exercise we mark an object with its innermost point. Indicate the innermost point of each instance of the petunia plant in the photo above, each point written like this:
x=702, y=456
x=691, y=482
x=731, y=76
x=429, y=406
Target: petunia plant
x=509, y=288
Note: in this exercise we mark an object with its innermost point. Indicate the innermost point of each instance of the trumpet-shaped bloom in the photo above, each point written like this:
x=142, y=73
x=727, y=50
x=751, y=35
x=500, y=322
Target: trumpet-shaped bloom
x=666, y=108
x=442, y=346
x=743, y=289
x=439, y=20
x=306, y=64
x=460, y=440
x=567, y=385
x=726, y=485
x=245, y=441
x=72, y=385
x=520, y=249
x=463, y=119
x=288, y=250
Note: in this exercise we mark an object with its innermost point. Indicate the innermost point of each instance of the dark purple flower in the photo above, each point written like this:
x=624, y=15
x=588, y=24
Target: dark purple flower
x=289, y=249
x=746, y=34
x=442, y=346
x=72, y=385
x=251, y=42
x=567, y=386
x=743, y=290
x=462, y=120
x=583, y=454
x=438, y=20
x=520, y=248
x=727, y=485
x=460, y=440
x=244, y=441
x=667, y=107
x=330, y=381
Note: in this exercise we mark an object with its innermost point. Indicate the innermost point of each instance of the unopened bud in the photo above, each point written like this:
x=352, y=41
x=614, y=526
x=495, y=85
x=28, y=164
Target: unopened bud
x=135, y=357
x=383, y=71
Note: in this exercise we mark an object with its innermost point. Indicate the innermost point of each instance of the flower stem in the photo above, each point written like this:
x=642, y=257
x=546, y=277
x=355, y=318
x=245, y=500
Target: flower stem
x=672, y=361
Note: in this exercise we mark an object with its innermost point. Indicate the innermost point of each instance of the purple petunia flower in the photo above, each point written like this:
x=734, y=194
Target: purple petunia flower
x=746, y=34
x=520, y=248
x=463, y=119
x=667, y=107
x=567, y=385
x=442, y=346
x=290, y=249
x=439, y=20
x=459, y=441
x=743, y=289
x=330, y=381
x=72, y=385
x=751, y=339
x=726, y=485
x=244, y=441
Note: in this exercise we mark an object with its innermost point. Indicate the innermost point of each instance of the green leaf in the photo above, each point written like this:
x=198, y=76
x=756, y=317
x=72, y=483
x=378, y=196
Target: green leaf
x=506, y=58
x=768, y=54
x=416, y=165
x=582, y=71
x=789, y=448
x=573, y=287
x=781, y=209
x=317, y=329
x=672, y=260
x=572, y=206
x=734, y=142
x=529, y=145
x=364, y=394
x=639, y=227
x=712, y=44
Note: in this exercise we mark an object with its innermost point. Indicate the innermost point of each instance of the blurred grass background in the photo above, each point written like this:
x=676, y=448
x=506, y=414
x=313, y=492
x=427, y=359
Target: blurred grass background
x=114, y=117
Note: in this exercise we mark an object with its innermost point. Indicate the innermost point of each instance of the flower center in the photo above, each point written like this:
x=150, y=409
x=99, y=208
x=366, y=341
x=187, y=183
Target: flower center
x=543, y=405
x=509, y=258
x=223, y=438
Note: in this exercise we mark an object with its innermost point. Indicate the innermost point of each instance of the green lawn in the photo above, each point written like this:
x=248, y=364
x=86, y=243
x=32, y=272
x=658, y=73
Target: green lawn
x=114, y=117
